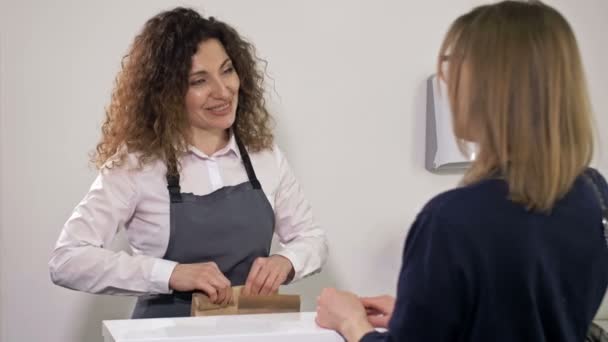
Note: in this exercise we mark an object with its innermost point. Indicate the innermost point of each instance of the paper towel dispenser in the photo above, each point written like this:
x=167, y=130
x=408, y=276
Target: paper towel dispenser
x=442, y=152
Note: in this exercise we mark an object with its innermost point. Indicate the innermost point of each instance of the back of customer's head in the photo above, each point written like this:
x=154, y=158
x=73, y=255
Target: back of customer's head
x=517, y=88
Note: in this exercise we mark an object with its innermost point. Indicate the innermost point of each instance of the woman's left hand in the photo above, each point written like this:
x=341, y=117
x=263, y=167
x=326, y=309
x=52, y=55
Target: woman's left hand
x=342, y=311
x=267, y=274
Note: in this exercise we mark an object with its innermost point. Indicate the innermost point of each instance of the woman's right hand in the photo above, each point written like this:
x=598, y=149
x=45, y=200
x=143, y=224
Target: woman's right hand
x=379, y=310
x=205, y=277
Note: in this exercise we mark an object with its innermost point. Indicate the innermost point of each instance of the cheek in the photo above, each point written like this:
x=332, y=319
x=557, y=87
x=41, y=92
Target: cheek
x=195, y=98
x=189, y=102
x=235, y=83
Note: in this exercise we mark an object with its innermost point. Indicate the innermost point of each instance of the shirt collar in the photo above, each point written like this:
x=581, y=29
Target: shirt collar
x=230, y=149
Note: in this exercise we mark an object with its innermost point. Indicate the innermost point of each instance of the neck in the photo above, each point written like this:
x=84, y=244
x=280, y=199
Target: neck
x=209, y=141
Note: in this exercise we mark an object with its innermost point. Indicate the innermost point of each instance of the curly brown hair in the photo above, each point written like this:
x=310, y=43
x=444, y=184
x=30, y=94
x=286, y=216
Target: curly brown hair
x=147, y=113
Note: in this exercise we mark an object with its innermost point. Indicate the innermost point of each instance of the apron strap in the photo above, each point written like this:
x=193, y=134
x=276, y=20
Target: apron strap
x=253, y=179
x=175, y=192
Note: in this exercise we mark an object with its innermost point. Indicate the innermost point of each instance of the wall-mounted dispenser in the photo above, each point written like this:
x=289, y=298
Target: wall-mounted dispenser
x=442, y=152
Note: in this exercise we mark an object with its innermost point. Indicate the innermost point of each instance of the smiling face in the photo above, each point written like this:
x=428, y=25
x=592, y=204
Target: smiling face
x=213, y=88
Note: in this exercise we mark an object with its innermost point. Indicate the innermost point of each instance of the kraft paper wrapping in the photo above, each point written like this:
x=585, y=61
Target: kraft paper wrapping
x=241, y=304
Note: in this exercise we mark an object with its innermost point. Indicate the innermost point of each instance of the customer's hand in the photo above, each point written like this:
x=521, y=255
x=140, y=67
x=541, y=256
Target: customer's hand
x=343, y=312
x=379, y=309
x=205, y=277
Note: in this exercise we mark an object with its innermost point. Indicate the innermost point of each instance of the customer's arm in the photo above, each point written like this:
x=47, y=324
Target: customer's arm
x=431, y=293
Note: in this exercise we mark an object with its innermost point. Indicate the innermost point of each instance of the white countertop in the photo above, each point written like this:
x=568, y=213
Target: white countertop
x=292, y=327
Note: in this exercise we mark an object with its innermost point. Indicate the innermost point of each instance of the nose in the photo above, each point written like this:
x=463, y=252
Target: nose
x=220, y=89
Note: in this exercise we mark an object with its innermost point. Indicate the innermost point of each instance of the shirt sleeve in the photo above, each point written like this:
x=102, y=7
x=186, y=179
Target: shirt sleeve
x=81, y=261
x=302, y=241
x=430, y=291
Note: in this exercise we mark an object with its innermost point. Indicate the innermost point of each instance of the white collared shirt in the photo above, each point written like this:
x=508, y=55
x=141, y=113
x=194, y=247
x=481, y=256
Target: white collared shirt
x=137, y=198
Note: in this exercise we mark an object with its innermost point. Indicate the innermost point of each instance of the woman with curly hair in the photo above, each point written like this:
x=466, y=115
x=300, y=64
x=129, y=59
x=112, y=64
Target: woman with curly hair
x=187, y=164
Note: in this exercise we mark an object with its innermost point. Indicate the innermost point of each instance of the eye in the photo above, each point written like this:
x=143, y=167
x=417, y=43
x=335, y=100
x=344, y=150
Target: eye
x=229, y=70
x=197, y=81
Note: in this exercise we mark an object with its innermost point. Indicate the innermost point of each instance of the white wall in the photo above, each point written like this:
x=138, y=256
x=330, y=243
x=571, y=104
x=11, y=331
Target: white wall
x=349, y=102
x=2, y=103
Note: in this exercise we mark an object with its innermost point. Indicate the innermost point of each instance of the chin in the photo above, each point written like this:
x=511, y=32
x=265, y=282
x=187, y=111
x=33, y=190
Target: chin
x=224, y=123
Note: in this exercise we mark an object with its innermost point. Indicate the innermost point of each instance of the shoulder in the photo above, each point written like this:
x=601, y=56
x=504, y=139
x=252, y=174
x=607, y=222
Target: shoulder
x=266, y=164
x=268, y=157
x=598, y=179
x=130, y=165
x=458, y=206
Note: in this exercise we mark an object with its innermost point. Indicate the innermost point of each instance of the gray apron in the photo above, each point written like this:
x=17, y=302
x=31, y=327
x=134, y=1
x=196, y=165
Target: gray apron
x=231, y=227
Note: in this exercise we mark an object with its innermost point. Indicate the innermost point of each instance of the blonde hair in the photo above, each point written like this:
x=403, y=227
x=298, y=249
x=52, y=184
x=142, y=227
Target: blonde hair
x=526, y=98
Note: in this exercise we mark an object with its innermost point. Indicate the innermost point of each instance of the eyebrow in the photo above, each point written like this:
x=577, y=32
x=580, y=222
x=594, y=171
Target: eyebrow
x=204, y=72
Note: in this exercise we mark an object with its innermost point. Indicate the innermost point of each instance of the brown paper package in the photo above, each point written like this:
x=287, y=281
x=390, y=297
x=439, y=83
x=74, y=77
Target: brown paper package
x=241, y=304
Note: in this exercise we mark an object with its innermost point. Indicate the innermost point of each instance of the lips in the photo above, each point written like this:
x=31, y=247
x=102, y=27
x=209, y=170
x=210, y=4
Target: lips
x=220, y=109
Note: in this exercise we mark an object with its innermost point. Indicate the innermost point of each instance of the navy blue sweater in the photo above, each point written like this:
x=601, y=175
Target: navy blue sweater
x=478, y=267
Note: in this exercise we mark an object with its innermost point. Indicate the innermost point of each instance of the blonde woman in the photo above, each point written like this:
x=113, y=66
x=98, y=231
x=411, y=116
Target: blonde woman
x=517, y=253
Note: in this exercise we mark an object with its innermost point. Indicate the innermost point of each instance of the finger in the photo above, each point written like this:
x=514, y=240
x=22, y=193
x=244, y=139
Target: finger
x=259, y=281
x=321, y=320
x=222, y=293
x=268, y=287
x=225, y=280
x=373, y=312
x=253, y=273
x=280, y=279
x=373, y=304
x=217, y=273
x=220, y=288
x=378, y=321
x=214, y=265
x=368, y=301
x=223, y=297
x=318, y=319
x=209, y=290
x=229, y=296
x=376, y=299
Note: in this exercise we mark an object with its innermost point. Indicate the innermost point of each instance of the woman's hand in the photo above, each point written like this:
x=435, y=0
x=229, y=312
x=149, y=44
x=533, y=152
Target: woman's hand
x=379, y=310
x=343, y=312
x=267, y=274
x=205, y=277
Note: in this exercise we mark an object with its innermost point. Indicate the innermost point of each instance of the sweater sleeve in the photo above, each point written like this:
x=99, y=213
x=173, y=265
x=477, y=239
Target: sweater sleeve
x=431, y=288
